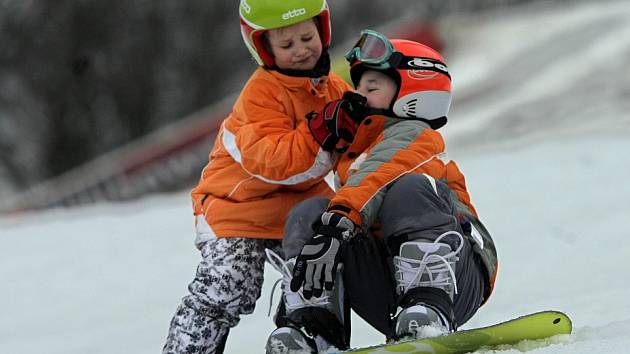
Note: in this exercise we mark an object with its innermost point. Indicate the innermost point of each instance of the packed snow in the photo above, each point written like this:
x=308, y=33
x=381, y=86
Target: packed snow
x=545, y=153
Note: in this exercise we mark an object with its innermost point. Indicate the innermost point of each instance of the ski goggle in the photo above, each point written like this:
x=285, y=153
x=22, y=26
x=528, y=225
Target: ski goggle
x=374, y=50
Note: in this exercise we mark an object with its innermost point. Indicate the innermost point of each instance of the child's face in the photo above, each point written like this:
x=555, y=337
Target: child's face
x=378, y=88
x=296, y=47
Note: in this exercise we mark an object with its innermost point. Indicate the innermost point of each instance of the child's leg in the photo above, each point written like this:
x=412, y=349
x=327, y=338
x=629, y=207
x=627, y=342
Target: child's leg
x=227, y=284
x=322, y=317
x=419, y=209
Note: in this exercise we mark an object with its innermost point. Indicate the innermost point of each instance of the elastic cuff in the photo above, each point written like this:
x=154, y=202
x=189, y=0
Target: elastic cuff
x=350, y=213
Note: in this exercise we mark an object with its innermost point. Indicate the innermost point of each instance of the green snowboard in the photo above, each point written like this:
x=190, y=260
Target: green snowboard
x=534, y=326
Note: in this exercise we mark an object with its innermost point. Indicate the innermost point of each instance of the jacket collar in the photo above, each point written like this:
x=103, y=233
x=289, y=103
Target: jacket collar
x=296, y=82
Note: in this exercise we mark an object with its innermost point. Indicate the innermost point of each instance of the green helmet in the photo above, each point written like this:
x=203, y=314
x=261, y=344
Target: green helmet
x=259, y=16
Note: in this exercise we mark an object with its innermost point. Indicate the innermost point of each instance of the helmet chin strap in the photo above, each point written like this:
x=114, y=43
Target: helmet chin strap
x=380, y=112
x=433, y=123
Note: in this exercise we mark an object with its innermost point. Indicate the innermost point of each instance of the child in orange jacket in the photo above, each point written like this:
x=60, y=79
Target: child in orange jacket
x=267, y=157
x=400, y=204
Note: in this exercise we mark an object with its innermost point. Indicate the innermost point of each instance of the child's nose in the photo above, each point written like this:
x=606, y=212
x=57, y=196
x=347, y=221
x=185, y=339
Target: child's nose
x=302, y=51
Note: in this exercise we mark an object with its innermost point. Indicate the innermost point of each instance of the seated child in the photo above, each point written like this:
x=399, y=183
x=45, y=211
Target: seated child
x=400, y=204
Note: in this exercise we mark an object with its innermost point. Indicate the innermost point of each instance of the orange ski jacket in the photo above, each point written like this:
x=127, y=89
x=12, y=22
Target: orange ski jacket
x=264, y=159
x=385, y=149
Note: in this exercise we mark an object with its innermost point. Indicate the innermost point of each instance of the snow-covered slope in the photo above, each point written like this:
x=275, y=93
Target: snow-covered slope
x=543, y=142
x=106, y=279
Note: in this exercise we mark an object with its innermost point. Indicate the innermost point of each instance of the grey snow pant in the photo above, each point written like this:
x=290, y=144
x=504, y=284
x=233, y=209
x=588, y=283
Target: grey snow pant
x=411, y=209
x=227, y=284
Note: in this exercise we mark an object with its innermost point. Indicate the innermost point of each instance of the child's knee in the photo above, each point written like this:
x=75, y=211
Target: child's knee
x=415, y=184
x=298, y=227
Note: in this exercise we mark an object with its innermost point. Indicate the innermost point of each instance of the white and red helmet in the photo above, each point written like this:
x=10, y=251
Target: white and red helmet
x=424, y=82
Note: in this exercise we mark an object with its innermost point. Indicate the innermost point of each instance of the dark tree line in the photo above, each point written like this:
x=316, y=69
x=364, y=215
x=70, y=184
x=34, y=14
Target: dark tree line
x=80, y=78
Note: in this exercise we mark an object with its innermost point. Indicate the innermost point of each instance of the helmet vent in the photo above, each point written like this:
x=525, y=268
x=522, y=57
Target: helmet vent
x=411, y=108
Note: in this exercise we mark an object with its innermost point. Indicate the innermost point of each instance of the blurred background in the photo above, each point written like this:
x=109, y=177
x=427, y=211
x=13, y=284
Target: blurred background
x=108, y=111
x=113, y=100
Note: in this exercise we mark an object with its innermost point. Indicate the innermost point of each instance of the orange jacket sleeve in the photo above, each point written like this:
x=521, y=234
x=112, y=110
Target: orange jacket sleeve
x=270, y=137
x=403, y=148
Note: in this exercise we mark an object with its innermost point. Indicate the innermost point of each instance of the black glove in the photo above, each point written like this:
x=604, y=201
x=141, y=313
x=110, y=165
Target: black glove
x=357, y=107
x=340, y=119
x=316, y=266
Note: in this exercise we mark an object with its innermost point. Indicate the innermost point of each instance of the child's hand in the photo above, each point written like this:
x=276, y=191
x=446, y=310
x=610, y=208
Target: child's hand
x=340, y=119
x=357, y=105
x=316, y=266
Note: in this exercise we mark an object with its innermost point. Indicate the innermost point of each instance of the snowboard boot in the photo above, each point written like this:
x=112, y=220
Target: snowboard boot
x=421, y=321
x=316, y=322
x=288, y=340
x=426, y=284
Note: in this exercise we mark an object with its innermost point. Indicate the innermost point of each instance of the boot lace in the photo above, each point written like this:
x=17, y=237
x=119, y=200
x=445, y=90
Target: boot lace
x=438, y=268
x=292, y=300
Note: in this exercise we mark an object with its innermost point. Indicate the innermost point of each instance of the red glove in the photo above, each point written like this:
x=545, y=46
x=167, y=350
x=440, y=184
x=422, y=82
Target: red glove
x=340, y=119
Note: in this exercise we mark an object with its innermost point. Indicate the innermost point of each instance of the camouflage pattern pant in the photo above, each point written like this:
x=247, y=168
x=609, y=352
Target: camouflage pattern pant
x=227, y=284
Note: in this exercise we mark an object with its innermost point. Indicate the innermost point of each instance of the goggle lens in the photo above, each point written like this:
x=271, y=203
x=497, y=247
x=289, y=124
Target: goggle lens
x=371, y=48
